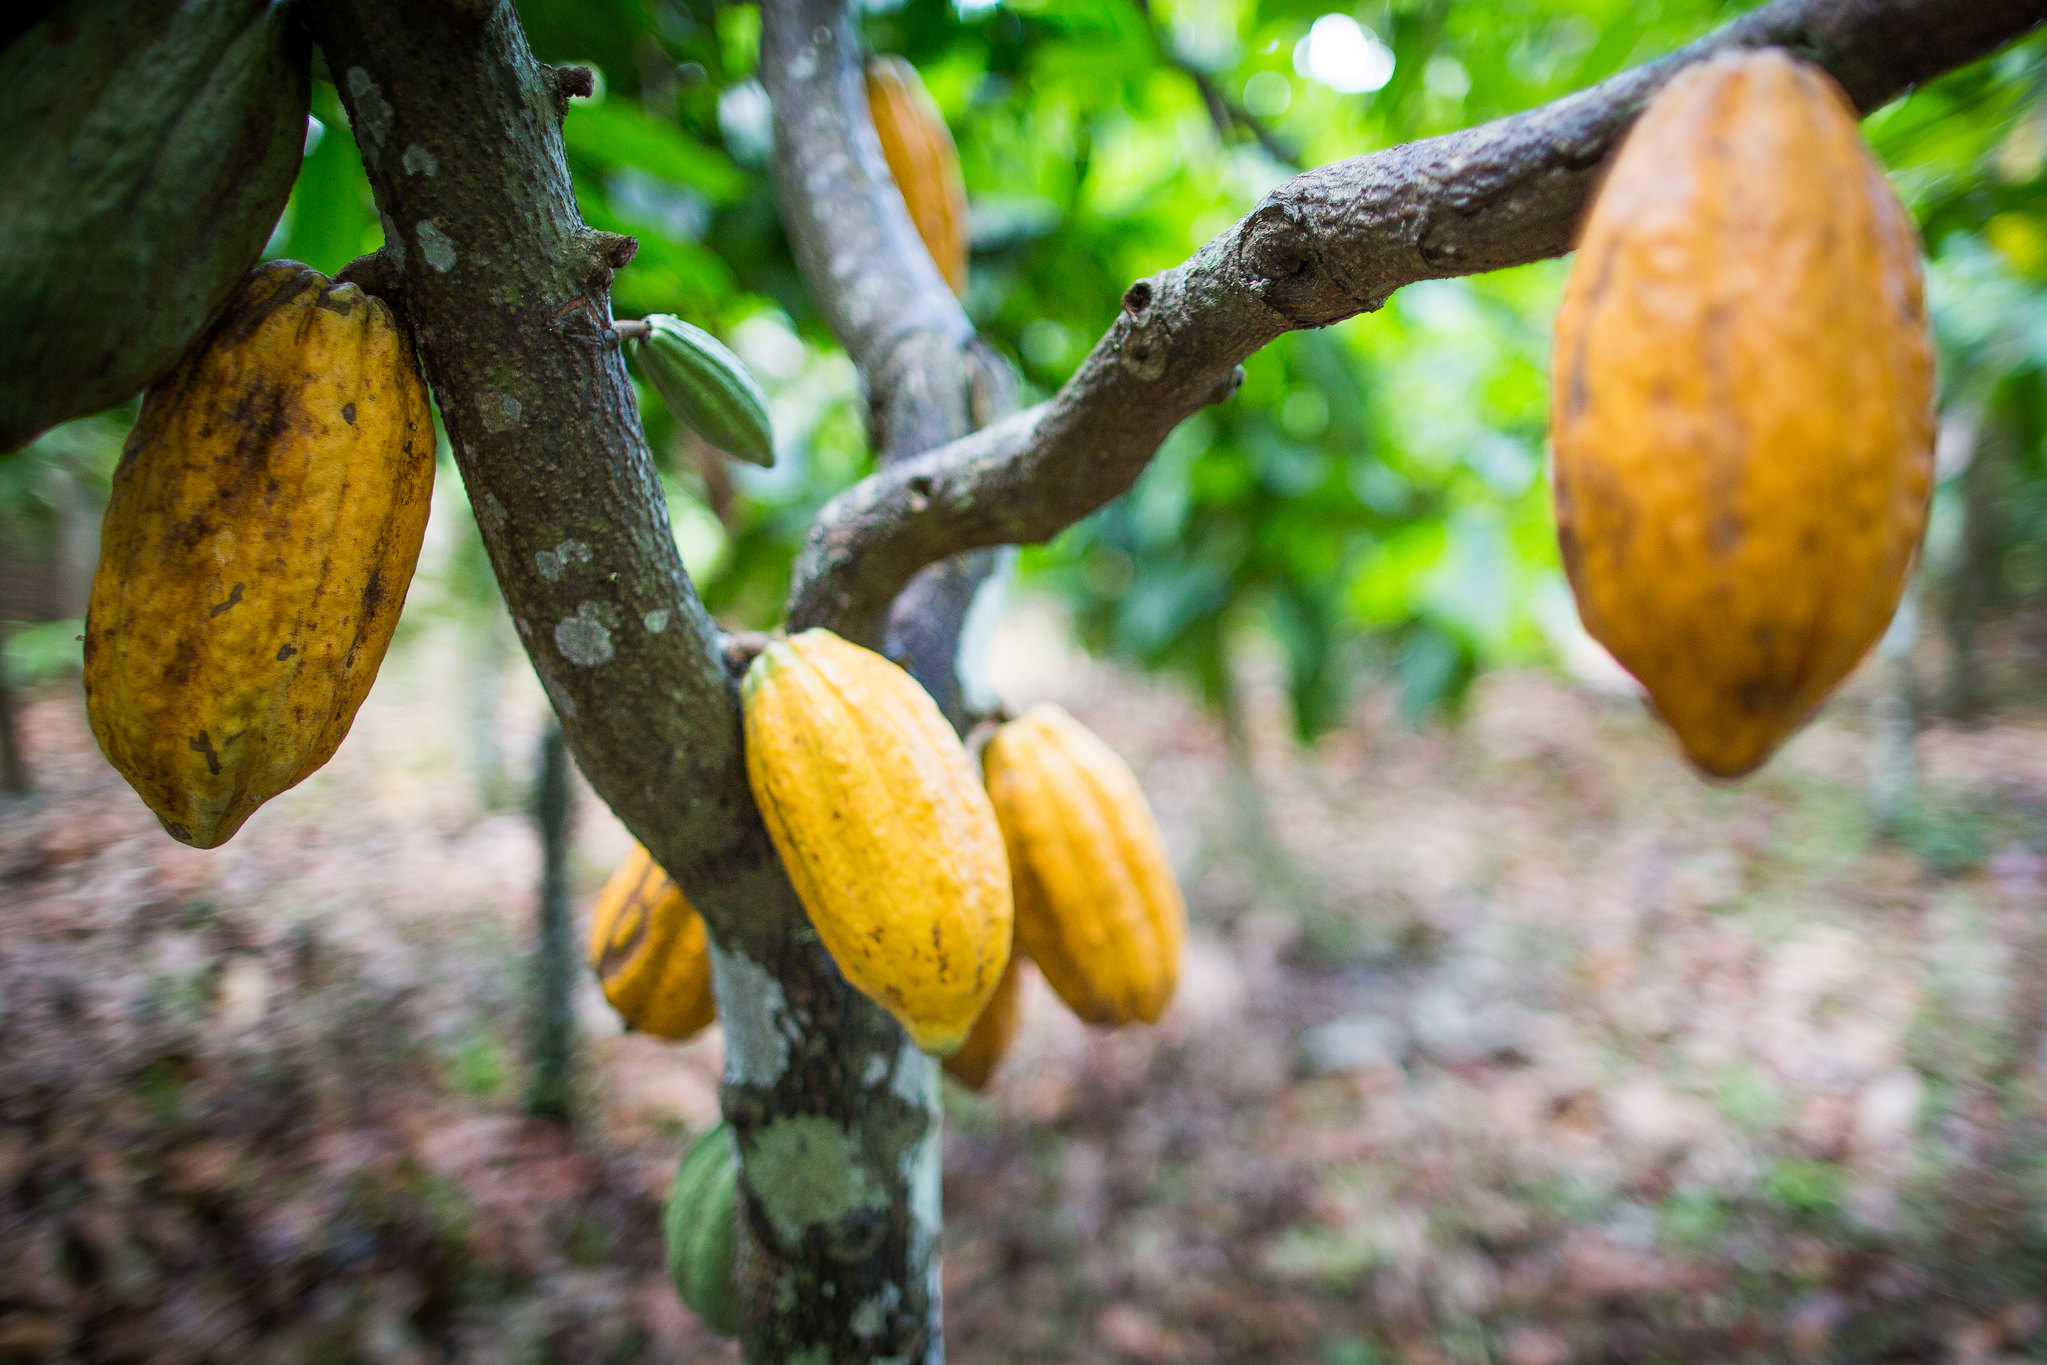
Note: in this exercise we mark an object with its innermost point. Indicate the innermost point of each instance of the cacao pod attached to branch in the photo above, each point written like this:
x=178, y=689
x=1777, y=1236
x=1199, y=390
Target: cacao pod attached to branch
x=264, y=524
x=924, y=162
x=1097, y=905
x=1743, y=404
x=889, y=839
x=707, y=388
x=650, y=950
x=697, y=1233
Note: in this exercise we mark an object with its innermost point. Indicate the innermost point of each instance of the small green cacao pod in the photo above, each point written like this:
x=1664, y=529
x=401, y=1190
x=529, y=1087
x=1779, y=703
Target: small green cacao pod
x=707, y=388
x=146, y=150
x=697, y=1229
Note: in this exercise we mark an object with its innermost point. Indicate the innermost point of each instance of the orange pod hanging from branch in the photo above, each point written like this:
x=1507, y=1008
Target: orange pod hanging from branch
x=924, y=162
x=1742, y=404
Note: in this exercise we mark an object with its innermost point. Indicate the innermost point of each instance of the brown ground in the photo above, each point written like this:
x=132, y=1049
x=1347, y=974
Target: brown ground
x=1512, y=1043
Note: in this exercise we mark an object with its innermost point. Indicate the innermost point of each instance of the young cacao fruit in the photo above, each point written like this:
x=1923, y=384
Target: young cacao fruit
x=924, y=162
x=974, y=1064
x=890, y=841
x=650, y=951
x=1742, y=407
x=263, y=527
x=697, y=1233
x=707, y=388
x=1097, y=905
x=147, y=147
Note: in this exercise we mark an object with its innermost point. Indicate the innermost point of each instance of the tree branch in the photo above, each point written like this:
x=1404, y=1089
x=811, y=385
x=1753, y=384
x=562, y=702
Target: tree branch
x=1322, y=247
x=507, y=293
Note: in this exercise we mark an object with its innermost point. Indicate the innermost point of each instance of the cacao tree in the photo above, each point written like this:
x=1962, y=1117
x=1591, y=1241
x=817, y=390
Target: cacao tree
x=491, y=268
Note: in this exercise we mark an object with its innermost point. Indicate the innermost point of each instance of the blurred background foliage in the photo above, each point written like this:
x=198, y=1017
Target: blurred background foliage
x=1372, y=503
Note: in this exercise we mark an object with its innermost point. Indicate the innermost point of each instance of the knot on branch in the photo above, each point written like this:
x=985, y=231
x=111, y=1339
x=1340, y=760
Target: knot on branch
x=380, y=273
x=1281, y=263
x=570, y=82
x=607, y=251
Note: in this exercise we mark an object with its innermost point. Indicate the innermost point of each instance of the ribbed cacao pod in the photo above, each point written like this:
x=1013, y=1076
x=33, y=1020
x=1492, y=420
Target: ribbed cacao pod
x=1743, y=404
x=650, y=951
x=889, y=839
x=697, y=1232
x=1097, y=905
x=975, y=1063
x=147, y=148
x=263, y=527
x=925, y=163
x=708, y=388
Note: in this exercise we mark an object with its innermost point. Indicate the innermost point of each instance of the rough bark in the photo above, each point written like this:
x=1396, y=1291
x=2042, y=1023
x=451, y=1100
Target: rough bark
x=507, y=294
x=1328, y=244
x=547, y=1092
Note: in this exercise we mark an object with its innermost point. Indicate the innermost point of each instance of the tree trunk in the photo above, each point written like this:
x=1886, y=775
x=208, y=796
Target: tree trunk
x=506, y=291
x=13, y=770
x=1894, y=721
x=1972, y=583
x=554, y=959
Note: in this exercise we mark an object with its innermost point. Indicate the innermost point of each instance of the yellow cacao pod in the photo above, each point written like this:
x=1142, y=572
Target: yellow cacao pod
x=1742, y=408
x=263, y=527
x=925, y=163
x=1097, y=905
x=975, y=1063
x=650, y=950
x=889, y=839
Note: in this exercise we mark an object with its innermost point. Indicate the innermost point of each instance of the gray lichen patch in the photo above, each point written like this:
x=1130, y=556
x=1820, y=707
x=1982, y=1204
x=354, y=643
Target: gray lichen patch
x=501, y=412
x=435, y=245
x=915, y=1082
x=583, y=639
x=550, y=563
x=373, y=113
x=655, y=622
x=420, y=161
x=873, y=1313
x=808, y=1170
x=755, y=1016
x=923, y=1175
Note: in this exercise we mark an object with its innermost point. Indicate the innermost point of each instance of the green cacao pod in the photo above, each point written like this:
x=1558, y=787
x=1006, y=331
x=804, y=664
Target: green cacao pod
x=147, y=148
x=707, y=388
x=263, y=527
x=697, y=1231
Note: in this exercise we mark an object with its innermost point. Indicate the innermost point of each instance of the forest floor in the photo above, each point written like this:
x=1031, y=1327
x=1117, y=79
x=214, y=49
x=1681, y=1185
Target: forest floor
x=1509, y=1041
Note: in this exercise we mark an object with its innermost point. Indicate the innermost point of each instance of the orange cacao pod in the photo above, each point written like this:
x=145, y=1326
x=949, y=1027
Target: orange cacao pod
x=1742, y=408
x=975, y=1063
x=264, y=524
x=650, y=950
x=925, y=163
x=1097, y=905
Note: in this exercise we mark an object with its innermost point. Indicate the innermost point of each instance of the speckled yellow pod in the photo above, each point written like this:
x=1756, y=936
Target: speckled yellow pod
x=975, y=1063
x=650, y=951
x=1097, y=905
x=264, y=524
x=884, y=828
x=1742, y=408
